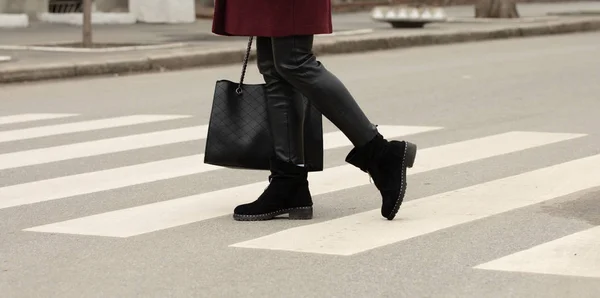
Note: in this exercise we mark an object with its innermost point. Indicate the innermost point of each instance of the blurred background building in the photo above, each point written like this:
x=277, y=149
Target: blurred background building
x=177, y=11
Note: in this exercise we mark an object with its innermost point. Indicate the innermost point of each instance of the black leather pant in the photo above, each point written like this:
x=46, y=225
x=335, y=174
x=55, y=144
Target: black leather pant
x=290, y=69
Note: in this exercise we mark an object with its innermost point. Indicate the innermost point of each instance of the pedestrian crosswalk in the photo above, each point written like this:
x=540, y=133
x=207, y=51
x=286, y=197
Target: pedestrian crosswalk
x=359, y=232
x=83, y=126
x=577, y=254
x=343, y=236
x=31, y=117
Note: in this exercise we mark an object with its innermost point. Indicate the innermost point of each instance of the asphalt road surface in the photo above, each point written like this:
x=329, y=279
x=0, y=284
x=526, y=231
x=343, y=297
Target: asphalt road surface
x=103, y=190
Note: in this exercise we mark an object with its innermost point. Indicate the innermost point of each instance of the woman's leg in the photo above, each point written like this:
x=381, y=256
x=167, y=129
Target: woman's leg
x=284, y=106
x=296, y=63
x=385, y=161
x=288, y=188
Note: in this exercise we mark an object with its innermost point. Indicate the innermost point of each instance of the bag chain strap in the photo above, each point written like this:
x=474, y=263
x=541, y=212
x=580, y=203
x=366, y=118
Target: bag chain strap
x=238, y=90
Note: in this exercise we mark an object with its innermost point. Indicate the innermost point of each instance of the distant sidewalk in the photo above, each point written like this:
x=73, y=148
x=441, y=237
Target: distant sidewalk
x=183, y=46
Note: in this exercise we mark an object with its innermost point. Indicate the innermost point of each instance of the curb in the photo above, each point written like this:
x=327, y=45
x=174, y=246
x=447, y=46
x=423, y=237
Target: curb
x=343, y=45
x=98, y=18
x=56, y=48
x=395, y=42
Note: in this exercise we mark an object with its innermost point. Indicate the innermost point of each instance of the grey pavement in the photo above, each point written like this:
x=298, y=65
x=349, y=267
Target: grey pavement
x=199, y=32
x=197, y=36
x=144, y=217
x=42, y=33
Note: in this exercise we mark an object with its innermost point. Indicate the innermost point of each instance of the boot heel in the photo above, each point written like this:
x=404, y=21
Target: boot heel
x=301, y=213
x=411, y=154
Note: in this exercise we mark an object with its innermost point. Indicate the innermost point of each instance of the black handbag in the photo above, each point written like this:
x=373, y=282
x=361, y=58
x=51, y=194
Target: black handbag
x=239, y=135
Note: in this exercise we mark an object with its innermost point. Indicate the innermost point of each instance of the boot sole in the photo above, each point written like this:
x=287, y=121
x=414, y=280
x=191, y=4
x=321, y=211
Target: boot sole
x=408, y=161
x=300, y=213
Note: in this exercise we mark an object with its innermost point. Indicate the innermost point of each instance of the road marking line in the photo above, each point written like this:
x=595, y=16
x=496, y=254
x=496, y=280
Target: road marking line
x=368, y=230
x=172, y=213
x=57, y=188
x=574, y=255
x=59, y=153
x=13, y=119
x=63, y=187
x=113, y=145
x=51, y=130
x=339, y=140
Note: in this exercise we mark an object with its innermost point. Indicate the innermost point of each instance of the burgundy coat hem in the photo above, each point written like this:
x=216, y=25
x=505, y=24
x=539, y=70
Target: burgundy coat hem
x=272, y=18
x=273, y=33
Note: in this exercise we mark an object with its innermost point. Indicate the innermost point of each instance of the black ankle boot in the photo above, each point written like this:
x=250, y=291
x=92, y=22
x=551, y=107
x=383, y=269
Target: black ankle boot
x=386, y=162
x=287, y=193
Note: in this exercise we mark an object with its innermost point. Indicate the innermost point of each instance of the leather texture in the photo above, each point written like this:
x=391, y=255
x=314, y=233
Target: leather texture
x=295, y=63
x=239, y=131
x=285, y=105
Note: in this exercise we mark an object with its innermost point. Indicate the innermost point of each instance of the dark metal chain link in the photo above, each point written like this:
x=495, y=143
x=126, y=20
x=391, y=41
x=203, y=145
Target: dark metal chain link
x=238, y=90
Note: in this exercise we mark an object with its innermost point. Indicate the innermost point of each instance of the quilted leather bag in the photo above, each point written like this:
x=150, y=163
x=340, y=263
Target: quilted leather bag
x=239, y=135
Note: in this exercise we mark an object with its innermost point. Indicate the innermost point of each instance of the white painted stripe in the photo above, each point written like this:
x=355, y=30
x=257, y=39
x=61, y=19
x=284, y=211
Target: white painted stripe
x=44, y=131
x=57, y=188
x=368, y=230
x=31, y=117
x=177, y=212
x=331, y=141
x=52, y=189
x=38, y=156
x=338, y=139
x=86, y=149
x=574, y=255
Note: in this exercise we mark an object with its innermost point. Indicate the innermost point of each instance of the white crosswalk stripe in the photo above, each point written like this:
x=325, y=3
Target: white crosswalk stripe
x=86, y=149
x=51, y=130
x=14, y=119
x=577, y=254
x=134, y=221
x=359, y=232
x=52, y=189
x=343, y=236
